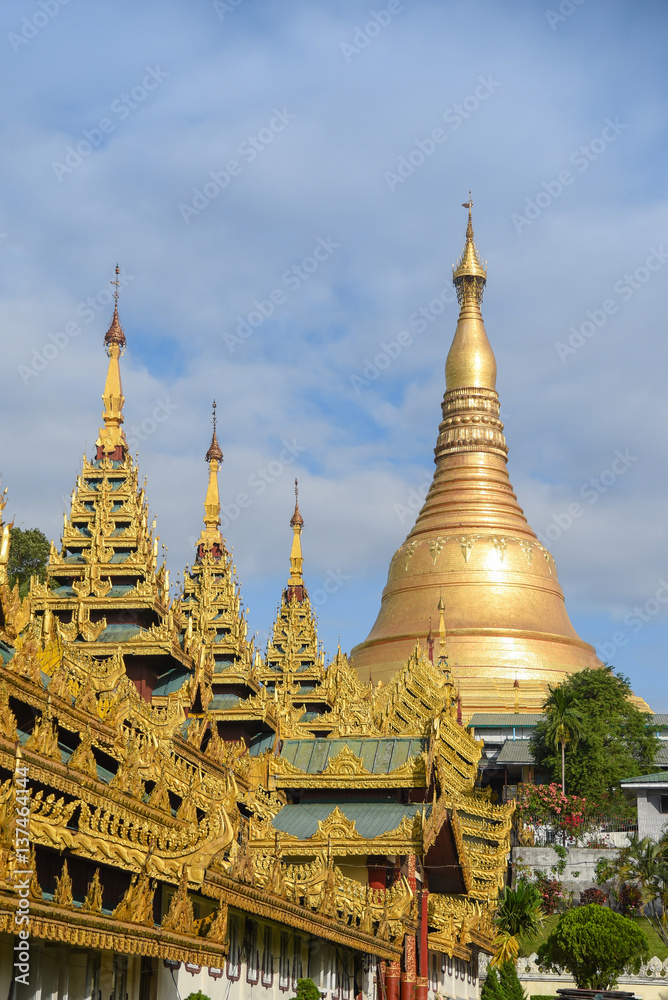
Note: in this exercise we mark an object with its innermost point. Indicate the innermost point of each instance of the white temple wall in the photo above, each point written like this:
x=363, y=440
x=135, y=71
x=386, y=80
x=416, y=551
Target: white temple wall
x=453, y=978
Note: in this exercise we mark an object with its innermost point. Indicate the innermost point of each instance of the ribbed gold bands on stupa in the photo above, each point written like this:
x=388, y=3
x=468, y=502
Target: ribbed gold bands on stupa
x=470, y=423
x=471, y=546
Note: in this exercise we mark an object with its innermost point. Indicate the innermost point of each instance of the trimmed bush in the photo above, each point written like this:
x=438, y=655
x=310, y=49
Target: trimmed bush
x=595, y=945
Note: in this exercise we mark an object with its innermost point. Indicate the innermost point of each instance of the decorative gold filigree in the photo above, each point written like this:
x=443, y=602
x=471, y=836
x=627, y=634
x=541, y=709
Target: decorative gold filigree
x=180, y=917
x=83, y=758
x=93, y=901
x=63, y=893
x=136, y=906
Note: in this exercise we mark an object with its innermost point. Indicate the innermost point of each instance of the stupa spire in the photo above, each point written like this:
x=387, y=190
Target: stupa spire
x=112, y=442
x=471, y=361
x=296, y=578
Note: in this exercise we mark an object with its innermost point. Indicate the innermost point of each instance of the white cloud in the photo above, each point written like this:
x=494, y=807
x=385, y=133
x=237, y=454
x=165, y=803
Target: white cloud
x=322, y=176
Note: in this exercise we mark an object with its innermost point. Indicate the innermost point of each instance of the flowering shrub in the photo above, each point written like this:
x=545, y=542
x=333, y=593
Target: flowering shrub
x=551, y=891
x=593, y=896
x=629, y=899
x=538, y=804
x=596, y=840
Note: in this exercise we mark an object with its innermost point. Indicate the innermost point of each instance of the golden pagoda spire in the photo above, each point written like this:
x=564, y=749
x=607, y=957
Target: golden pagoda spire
x=112, y=443
x=296, y=560
x=471, y=361
x=471, y=543
x=211, y=535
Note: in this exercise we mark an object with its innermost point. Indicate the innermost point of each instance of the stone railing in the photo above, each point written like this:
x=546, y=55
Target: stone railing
x=653, y=971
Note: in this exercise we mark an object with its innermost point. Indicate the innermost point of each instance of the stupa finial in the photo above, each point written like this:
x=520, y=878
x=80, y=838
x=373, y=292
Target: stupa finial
x=470, y=274
x=214, y=454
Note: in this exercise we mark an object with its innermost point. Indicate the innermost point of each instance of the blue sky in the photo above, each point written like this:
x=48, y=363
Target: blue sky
x=228, y=152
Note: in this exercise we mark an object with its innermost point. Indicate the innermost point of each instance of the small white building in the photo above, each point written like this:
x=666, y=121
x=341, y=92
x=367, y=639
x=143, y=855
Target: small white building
x=651, y=794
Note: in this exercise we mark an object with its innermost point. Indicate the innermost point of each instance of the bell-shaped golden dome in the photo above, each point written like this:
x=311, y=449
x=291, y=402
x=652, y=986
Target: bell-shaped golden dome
x=505, y=614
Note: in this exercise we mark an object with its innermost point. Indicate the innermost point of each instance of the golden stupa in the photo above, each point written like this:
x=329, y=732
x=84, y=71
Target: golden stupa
x=508, y=632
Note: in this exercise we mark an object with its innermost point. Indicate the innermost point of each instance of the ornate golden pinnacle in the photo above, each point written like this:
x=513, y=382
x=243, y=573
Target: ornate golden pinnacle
x=114, y=334
x=470, y=274
x=214, y=454
x=297, y=518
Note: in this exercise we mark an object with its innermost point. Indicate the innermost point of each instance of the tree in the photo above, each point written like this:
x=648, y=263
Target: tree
x=502, y=985
x=511, y=988
x=615, y=741
x=563, y=723
x=491, y=988
x=519, y=913
x=28, y=556
x=595, y=945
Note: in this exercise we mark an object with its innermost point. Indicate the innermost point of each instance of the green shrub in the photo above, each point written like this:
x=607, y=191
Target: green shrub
x=595, y=945
x=197, y=996
x=306, y=990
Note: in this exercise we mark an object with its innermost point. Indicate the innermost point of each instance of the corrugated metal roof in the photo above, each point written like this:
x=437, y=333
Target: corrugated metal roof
x=504, y=719
x=378, y=755
x=515, y=752
x=660, y=719
x=662, y=757
x=372, y=819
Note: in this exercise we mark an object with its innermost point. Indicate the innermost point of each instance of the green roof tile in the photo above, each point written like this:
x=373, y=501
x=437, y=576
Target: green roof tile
x=372, y=819
x=260, y=743
x=6, y=652
x=659, y=777
x=379, y=756
x=172, y=680
x=503, y=719
x=119, y=632
x=223, y=701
